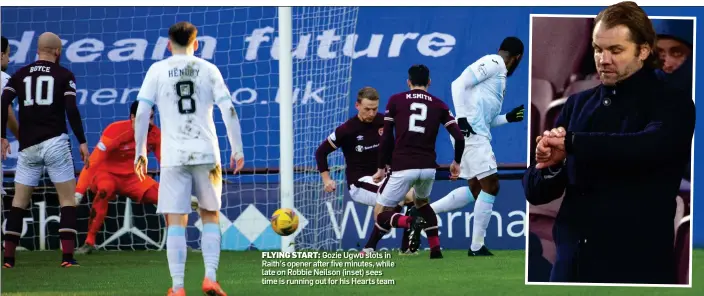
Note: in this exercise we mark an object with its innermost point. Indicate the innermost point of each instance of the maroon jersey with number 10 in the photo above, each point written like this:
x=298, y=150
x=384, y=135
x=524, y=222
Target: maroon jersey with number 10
x=47, y=96
x=416, y=117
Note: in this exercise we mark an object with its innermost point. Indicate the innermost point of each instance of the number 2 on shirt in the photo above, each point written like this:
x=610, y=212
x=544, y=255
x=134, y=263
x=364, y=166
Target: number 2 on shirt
x=417, y=117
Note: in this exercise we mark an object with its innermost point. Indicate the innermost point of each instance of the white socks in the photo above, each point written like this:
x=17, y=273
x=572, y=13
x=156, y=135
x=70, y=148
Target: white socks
x=482, y=214
x=454, y=200
x=483, y=207
x=176, y=252
x=210, y=245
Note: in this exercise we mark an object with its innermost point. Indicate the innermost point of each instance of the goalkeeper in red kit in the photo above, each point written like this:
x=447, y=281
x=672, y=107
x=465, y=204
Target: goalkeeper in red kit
x=111, y=172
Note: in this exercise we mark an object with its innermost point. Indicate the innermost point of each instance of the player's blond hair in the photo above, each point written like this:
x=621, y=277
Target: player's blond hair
x=368, y=93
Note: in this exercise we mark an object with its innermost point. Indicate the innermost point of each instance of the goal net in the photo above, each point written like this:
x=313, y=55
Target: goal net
x=110, y=49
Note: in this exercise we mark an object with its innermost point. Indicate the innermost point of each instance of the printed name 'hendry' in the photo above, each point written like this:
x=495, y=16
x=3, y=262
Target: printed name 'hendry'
x=176, y=72
x=88, y=50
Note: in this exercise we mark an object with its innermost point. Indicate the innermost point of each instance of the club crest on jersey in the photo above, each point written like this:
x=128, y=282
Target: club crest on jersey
x=381, y=131
x=359, y=148
x=360, y=137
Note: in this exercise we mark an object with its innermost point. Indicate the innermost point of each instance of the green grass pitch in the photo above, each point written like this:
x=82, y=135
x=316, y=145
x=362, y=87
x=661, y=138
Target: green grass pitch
x=240, y=273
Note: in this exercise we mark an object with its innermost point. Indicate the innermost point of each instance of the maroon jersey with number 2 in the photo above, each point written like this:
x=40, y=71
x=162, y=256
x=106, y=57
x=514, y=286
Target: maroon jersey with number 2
x=415, y=117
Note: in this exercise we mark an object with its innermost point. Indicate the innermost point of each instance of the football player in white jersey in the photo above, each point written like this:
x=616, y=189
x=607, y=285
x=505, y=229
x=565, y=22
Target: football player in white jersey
x=478, y=95
x=4, y=78
x=184, y=89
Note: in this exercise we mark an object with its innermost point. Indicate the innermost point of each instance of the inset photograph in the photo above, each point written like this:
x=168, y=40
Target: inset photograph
x=611, y=130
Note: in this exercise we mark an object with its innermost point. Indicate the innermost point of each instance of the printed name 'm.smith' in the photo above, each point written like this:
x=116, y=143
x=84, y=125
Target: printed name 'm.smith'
x=175, y=72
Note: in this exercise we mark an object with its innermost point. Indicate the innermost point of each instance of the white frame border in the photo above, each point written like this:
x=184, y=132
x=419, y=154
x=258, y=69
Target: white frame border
x=528, y=137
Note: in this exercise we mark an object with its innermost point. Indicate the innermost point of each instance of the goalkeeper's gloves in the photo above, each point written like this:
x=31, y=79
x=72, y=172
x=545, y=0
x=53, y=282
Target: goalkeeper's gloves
x=516, y=114
x=465, y=127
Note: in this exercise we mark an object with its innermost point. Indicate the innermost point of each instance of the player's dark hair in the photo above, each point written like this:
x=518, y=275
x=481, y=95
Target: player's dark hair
x=134, y=106
x=419, y=75
x=5, y=44
x=183, y=33
x=512, y=45
x=368, y=93
x=641, y=29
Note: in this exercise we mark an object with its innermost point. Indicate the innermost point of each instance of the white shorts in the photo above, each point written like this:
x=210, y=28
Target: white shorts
x=478, y=160
x=176, y=184
x=53, y=154
x=364, y=191
x=394, y=188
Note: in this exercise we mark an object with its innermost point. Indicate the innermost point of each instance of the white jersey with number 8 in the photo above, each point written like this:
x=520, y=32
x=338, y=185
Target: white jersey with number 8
x=185, y=88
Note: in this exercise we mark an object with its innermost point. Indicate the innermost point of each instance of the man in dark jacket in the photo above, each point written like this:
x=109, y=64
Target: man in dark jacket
x=617, y=156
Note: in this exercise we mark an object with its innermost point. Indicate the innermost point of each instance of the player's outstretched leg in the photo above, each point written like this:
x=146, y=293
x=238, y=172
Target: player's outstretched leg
x=176, y=250
x=210, y=245
x=105, y=191
x=377, y=234
x=388, y=218
x=67, y=222
x=482, y=215
x=454, y=200
x=98, y=211
x=13, y=228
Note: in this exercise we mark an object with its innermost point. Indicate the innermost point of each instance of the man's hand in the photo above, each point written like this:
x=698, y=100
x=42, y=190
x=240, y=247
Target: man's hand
x=85, y=155
x=465, y=127
x=380, y=175
x=551, y=148
x=559, y=132
x=454, y=170
x=542, y=151
x=516, y=114
x=329, y=185
x=5, y=148
x=140, y=167
x=236, y=164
